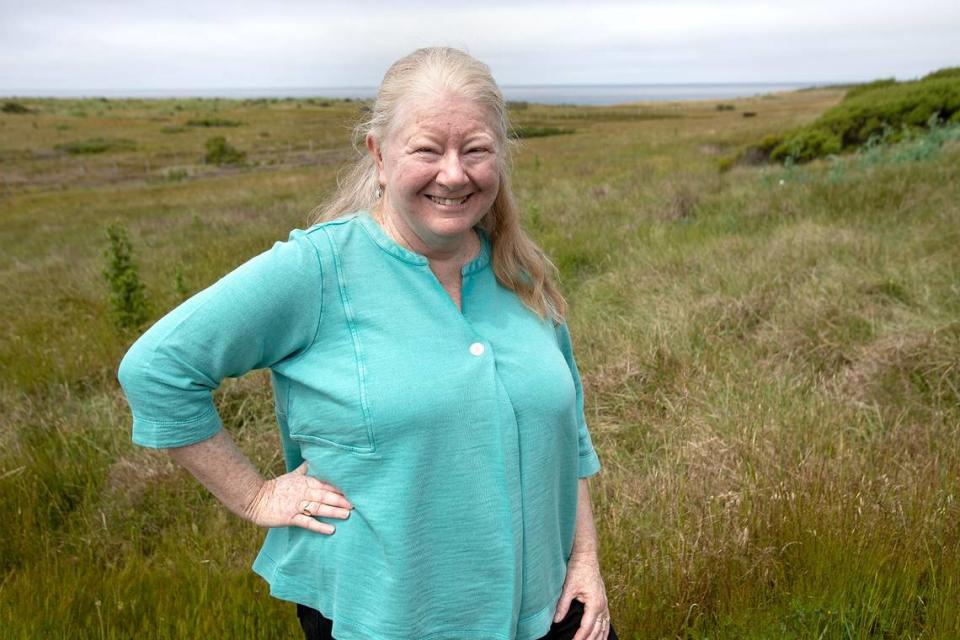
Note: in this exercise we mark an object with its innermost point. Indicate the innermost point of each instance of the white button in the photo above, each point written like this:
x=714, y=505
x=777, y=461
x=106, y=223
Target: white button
x=476, y=349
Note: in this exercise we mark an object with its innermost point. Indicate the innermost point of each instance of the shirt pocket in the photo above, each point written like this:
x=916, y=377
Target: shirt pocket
x=327, y=406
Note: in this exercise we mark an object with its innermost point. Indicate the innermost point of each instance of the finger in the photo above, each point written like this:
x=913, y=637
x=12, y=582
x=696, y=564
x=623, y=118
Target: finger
x=322, y=496
x=306, y=522
x=301, y=470
x=598, y=630
x=601, y=626
x=588, y=624
x=605, y=628
x=563, y=605
x=327, y=511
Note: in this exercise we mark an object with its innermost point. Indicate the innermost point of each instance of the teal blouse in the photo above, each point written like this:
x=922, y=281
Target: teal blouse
x=458, y=436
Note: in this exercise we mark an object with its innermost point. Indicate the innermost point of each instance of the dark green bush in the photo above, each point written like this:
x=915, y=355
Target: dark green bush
x=754, y=154
x=859, y=89
x=529, y=131
x=97, y=145
x=221, y=152
x=807, y=145
x=725, y=107
x=13, y=107
x=128, y=303
x=880, y=109
x=213, y=122
x=948, y=72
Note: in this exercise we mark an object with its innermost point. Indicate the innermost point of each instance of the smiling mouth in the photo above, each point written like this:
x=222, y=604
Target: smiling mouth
x=450, y=202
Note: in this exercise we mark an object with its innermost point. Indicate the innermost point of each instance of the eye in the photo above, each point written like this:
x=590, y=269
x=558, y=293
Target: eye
x=479, y=150
x=425, y=150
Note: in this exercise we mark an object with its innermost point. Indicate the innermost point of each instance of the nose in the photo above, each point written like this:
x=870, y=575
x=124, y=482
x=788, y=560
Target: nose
x=451, y=174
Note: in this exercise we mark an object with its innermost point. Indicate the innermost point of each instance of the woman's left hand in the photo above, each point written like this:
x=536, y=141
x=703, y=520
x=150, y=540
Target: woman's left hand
x=584, y=583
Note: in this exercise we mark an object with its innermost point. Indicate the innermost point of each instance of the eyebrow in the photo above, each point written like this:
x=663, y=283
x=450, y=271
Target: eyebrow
x=478, y=136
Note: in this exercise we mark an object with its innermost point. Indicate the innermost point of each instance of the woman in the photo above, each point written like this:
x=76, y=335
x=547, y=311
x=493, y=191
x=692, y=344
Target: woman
x=429, y=404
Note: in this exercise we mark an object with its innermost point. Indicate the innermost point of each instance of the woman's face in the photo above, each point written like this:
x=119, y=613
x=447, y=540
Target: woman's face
x=439, y=168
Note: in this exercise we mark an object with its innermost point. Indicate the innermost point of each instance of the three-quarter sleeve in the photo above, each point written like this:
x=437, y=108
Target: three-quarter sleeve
x=266, y=310
x=589, y=462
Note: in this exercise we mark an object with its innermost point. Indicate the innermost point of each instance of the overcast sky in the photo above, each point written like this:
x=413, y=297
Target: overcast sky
x=96, y=44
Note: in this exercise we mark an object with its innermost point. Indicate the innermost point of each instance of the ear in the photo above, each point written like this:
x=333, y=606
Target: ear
x=373, y=148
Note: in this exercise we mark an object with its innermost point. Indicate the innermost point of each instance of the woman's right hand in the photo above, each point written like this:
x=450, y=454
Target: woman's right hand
x=286, y=500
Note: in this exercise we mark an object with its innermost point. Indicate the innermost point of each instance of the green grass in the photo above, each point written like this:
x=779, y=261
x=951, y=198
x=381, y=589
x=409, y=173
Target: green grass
x=771, y=358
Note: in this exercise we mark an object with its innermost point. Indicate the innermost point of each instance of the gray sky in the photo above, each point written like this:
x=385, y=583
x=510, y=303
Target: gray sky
x=98, y=44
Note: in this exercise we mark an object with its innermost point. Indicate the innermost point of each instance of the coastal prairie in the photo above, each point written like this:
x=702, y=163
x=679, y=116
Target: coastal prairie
x=771, y=360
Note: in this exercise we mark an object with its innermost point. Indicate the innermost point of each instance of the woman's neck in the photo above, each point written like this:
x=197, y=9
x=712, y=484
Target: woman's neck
x=447, y=258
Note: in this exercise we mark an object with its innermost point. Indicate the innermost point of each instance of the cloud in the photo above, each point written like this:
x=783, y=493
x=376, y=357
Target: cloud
x=101, y=44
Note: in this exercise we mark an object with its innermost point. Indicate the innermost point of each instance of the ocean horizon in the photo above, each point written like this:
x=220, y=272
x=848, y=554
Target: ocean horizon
x=585, y=94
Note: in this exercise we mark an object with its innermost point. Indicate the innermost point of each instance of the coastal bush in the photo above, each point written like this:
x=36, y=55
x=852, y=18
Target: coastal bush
x=96, y=145
x=212, y=122
x=858, y=89
x=947, y=72
x=530, y=131
x=880, y=108
x=13, y=107
x=128, y=302
x=221, y=152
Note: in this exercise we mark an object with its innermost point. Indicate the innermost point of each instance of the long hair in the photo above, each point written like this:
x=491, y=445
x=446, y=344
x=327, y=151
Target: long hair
x=518, y=263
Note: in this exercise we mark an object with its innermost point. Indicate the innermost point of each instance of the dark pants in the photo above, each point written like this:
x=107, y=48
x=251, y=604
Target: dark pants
x=317, y=627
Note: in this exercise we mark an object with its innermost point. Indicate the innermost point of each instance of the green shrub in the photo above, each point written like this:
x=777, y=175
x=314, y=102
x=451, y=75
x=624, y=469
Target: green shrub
x=879, y=109
x=751, y=155
x=97, y=145
x=859, y=89
x=948, y=72
x=175, y=174
x=128, y=302
x=13, y=107
x=221, y=152
x=725, y=107
x=807, y=145
x=213, y=122
x=528, y=131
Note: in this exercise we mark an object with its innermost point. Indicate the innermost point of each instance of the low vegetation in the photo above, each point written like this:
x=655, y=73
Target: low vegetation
x=212, y=122
x=128, y=301
x=96, y=145
x=769, y=354
x=9, y=106
x=221, y=152
x=531, y=131
x=881, y=109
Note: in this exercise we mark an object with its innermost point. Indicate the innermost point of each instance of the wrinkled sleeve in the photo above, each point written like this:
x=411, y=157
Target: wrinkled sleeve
x=264, y=311
x=589, y=462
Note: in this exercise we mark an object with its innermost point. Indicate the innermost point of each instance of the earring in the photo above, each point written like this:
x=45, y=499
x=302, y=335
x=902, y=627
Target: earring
x=378, y=192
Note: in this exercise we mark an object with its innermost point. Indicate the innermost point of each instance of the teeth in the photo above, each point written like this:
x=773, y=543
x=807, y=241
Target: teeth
x=449, y=201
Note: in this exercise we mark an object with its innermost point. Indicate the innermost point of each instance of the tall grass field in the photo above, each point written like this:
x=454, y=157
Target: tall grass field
x=770, y=353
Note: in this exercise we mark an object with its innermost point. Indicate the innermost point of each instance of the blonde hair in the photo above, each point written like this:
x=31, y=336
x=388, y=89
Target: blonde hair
x=518, y=263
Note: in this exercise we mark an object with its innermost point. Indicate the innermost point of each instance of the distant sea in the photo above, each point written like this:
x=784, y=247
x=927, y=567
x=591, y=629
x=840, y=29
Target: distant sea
x=594, y=94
